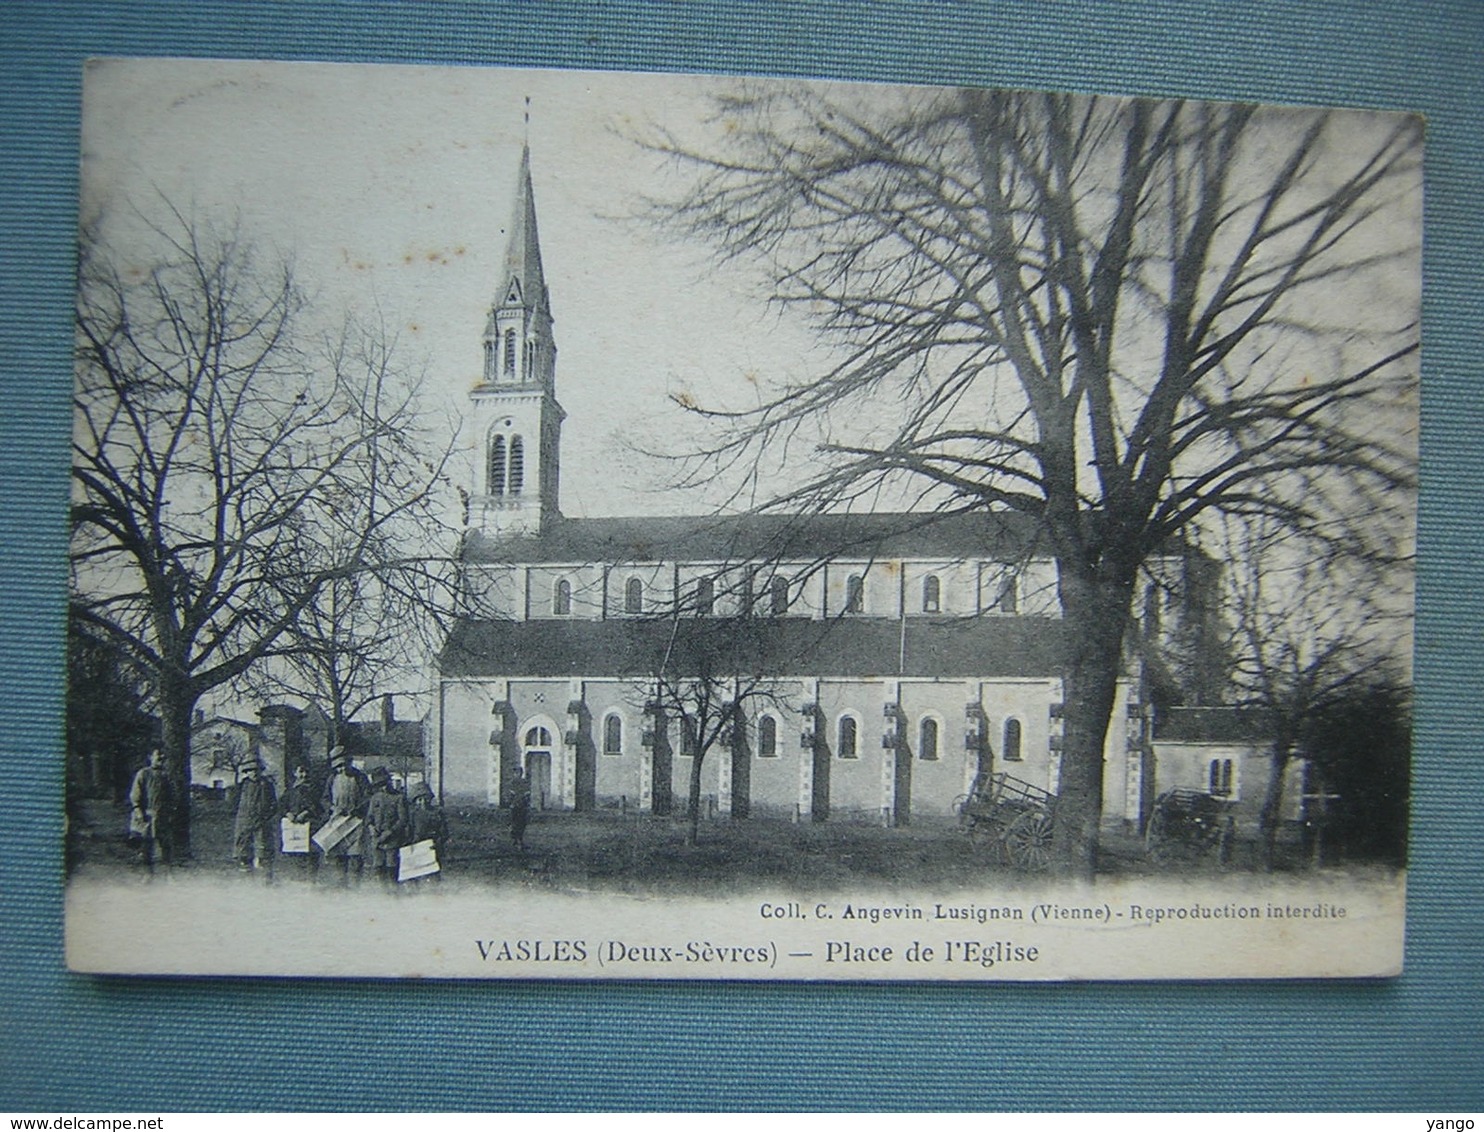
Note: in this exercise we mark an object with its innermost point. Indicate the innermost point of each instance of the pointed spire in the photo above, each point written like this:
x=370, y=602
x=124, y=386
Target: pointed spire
x=523, y=251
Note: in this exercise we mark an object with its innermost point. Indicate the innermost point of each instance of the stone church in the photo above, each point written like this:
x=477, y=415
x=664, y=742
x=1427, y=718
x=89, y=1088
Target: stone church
x=900, y=652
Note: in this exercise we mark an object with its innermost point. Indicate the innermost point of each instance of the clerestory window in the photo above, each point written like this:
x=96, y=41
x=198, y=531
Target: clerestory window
x=778, y=596
x=931, y=594
x=855, y=594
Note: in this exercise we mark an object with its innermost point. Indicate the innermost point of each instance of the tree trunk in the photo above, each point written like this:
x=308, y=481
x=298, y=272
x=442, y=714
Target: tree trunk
x=1272, y=799
x=1094, y=615
x=694, y=832
x=177, y=706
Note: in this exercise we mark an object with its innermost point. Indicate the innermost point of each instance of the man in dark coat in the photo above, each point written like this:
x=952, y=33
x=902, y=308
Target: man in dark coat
x=150, y=797
x=520, y=808
x=386, y=825
x=426, y=823
x=302, y=807
x=255, y=831
x=346, y=793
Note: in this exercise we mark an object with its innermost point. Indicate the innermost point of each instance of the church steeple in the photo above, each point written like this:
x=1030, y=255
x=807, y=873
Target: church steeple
x=519, y=348
x=515, y=405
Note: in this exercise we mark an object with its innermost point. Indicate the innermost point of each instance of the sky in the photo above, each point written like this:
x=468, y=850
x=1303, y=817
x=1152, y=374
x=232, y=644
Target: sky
x=391, y=188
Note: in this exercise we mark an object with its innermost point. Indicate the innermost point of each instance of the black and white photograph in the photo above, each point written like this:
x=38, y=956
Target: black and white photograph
x=576, y=524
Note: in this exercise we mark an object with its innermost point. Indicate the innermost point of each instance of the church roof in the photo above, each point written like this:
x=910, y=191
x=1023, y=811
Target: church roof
x=1224, y=724
x=944, y=647
x=523, y=246
x=999, y=536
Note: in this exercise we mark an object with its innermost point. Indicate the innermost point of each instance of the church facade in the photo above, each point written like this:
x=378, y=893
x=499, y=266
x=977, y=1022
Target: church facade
x=876, y=662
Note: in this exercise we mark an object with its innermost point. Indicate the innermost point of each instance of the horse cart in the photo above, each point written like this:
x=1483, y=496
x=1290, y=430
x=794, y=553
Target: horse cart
x=1013, y=814
x=1190, y=826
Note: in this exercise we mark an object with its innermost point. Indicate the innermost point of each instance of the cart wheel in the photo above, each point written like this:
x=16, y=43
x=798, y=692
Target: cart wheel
x=1028, y=841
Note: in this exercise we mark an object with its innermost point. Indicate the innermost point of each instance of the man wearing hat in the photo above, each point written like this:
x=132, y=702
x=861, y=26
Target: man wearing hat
x=386, y=825
x=426, y=822
x=257, y=817
x=346, y=793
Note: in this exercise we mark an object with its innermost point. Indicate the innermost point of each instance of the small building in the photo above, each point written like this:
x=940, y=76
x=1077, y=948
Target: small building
x=388, y=742
x=1225, y=751
x=220, y=745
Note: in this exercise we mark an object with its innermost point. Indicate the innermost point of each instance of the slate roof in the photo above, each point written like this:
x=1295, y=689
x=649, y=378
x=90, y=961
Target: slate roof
x=1212, y=725
x=1000, y=536
x=974, y=648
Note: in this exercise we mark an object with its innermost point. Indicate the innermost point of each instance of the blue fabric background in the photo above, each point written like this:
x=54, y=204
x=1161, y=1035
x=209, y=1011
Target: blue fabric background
x=77, y=1043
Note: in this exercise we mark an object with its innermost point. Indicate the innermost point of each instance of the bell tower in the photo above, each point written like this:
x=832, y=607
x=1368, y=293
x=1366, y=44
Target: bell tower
x=516, y=415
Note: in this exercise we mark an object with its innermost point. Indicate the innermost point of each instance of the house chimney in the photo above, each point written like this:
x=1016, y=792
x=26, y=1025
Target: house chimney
x=388, y=713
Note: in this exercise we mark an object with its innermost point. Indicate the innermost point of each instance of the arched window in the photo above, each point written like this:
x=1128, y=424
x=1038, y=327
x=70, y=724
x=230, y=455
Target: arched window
x=767, y=737
x=633, y=596
x=845, y=747
x=705, y=597
x=561, y=598
x=1221, y=776
x=538, y=737
x=927, y=740
x=1152, y=611
x=1009, y=597
x=613, y=734
x=1010, y=751
x=510, y=351
x=517, y=465
x=855, y=594
x=778, y=595
x=931, y=594
x=497, y=466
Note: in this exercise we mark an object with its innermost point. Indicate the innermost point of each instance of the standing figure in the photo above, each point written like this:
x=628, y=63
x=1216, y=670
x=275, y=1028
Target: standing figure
x=427, y=823
x=346, y=793
x=149, y=814
x=301, y=806
x=386, y=825
x=255, y=832
x=520, y=807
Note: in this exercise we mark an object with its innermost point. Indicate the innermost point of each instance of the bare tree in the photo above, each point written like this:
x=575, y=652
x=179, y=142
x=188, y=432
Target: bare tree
x=230, y=465
x=710, y=669
x=1309, y=636
x=1120, y=317
x=230, y=751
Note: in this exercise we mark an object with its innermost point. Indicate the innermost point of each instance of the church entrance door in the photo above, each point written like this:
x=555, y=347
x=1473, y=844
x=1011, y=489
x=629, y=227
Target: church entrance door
x=536, y=758
x=538, y=772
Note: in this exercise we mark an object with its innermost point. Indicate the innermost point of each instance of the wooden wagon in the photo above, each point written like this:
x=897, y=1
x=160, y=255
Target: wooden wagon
x=1188, y=825
x=1012, y=813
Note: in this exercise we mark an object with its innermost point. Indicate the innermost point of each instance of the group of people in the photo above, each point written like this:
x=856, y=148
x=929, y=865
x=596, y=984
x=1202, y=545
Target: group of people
x=353, y=819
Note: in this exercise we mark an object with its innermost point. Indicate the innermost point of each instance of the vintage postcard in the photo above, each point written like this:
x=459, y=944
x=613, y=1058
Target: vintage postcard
x=562, y=524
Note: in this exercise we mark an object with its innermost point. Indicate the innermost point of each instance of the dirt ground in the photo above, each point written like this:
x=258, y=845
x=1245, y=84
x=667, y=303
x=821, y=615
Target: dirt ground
x=644, y=854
